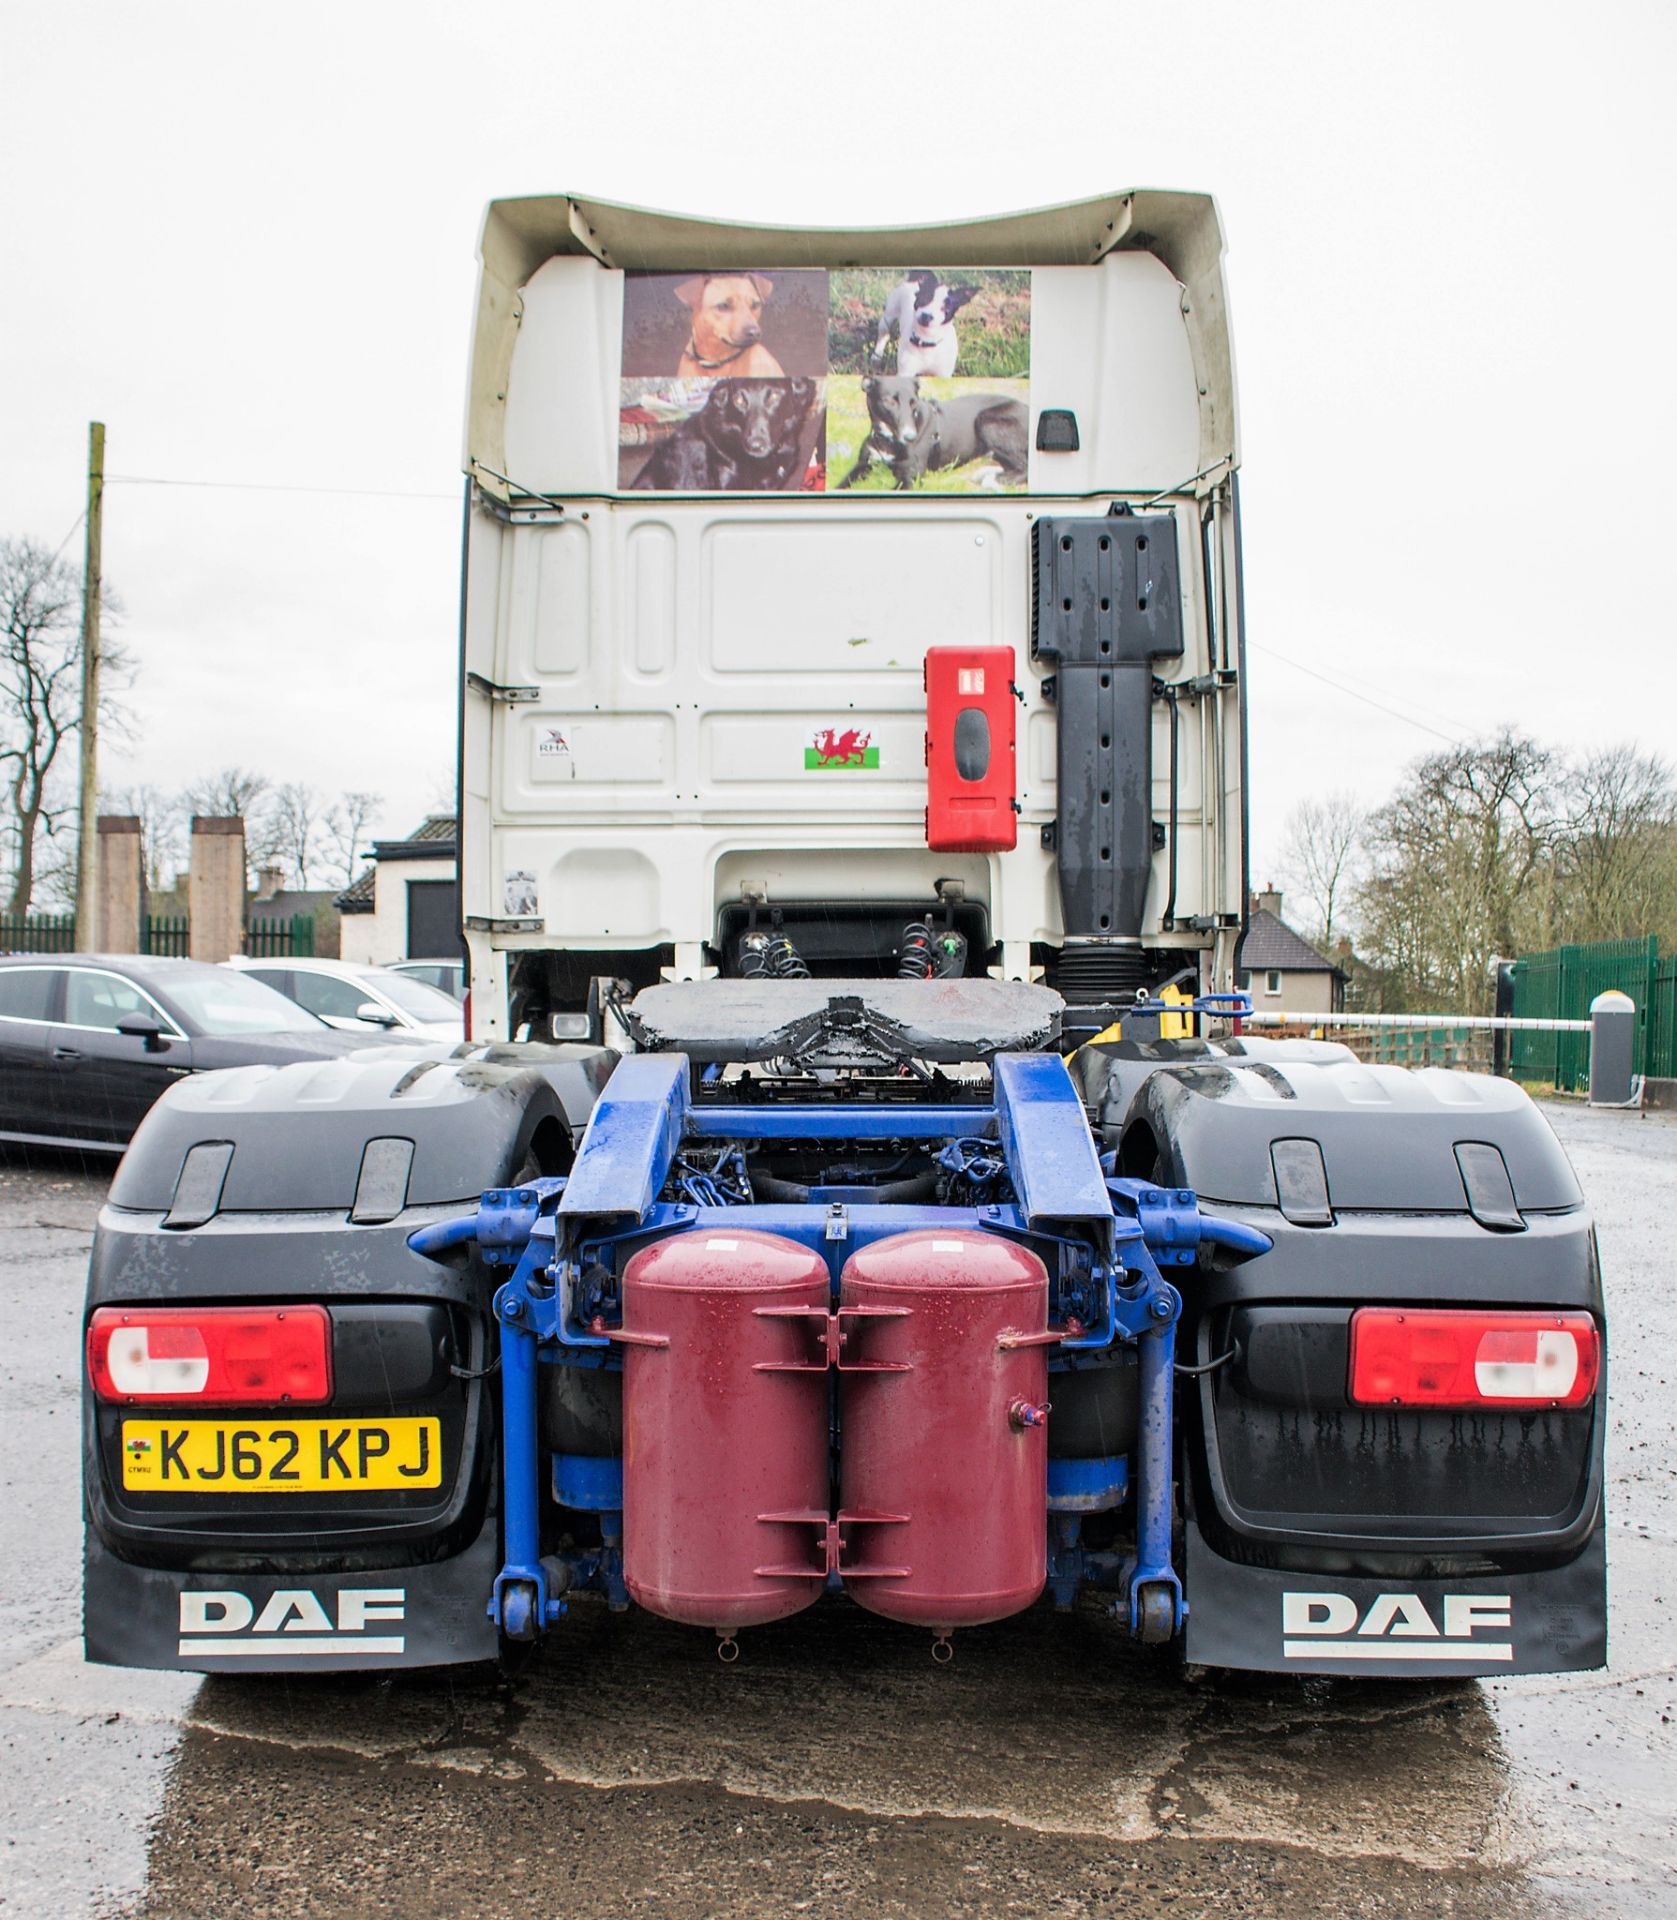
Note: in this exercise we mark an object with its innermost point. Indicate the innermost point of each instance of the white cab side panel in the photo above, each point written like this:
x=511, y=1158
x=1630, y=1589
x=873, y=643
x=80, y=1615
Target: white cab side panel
x=687, y=653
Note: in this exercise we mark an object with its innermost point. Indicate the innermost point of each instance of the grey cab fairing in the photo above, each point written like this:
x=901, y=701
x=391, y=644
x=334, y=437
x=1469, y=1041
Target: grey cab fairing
x=1394, y=1211
x=1211, y=1115
x=291, y=1148
x=299, y=1132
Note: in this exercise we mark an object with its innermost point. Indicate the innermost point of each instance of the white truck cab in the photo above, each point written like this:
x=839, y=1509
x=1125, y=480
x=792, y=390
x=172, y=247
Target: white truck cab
x=697, y=719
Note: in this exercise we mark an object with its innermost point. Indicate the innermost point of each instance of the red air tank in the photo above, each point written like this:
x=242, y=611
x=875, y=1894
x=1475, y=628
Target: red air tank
x=944, y=1426
x=724, y=1421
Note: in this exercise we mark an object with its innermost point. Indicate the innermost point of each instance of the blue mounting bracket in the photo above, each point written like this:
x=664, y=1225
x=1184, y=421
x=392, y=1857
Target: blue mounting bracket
x=1218, y=1006
x=1045, y=1135
x=1115, y=1239
x=632, y=1138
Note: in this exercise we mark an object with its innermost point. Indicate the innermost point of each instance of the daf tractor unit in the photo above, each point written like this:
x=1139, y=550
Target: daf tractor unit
x=857, y=1187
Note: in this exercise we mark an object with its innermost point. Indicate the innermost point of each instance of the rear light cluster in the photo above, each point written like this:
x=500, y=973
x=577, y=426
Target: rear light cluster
x=212, y=1356
x=1401, y=1357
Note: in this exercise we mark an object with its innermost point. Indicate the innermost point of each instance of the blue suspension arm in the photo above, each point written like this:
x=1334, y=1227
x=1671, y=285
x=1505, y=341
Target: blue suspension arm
x=1172, y=1229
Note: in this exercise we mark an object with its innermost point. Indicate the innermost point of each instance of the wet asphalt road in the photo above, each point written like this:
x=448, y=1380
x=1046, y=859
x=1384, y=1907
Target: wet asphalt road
x=1054, y=1769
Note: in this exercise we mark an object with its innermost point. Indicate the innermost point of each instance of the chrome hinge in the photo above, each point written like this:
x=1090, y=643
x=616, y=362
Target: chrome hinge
x=484, y=923
x=493, y=690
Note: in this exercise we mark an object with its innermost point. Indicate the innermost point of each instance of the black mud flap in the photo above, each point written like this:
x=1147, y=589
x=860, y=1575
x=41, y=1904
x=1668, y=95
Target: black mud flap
x=1270, y=1621
x=415, y=1616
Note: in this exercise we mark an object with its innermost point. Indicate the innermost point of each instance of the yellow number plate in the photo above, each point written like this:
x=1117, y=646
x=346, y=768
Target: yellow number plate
x=280, y=1456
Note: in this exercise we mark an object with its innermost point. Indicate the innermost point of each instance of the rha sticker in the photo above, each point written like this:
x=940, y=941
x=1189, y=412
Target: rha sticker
x=553, y=750
x=520, y=895
x=833, y=751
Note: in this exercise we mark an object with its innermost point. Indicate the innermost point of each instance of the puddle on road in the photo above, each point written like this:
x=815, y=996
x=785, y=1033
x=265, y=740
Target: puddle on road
x=1048, y=1740
x=1050, y=1725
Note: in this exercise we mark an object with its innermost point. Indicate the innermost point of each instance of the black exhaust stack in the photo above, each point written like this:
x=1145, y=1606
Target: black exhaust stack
x=1108, y=604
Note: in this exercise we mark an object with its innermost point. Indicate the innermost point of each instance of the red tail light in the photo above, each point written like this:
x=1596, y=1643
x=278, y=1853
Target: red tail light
x=211, y=1356
x=1403, y=1357
x=466, y=1015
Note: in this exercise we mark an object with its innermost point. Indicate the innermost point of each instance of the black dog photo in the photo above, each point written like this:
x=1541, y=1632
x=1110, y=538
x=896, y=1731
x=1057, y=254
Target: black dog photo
x=721, y=436
x=901, y=431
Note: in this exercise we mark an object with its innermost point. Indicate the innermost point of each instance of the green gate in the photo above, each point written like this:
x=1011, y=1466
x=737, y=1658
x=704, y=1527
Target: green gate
x=1560, y=984
x=168, y=934
x=1662, y=1022
x=291, y=939
x=37, y=933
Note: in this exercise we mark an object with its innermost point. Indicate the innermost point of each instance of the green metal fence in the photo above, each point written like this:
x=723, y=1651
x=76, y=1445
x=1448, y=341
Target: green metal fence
x=1662, y=1021
x=165, y=933
x=1560, y=984
x=291, y=939
x=168, y=934
x=37, y=933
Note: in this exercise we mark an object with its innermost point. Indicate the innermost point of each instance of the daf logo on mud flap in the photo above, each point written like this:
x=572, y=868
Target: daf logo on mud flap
x=1395, y=1626
x=293, y=1622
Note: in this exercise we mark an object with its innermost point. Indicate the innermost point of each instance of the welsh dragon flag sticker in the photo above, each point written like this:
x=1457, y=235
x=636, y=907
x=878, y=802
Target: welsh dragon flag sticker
x=830, y=751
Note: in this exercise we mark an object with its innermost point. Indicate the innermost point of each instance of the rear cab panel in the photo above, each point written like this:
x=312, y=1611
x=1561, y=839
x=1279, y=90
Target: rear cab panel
x=650, y=677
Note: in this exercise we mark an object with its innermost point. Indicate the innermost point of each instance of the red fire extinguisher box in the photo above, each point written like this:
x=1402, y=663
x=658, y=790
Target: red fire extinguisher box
x=970, y=750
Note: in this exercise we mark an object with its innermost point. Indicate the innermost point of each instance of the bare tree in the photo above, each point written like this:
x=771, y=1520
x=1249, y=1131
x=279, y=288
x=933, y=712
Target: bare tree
x=40, y=701
x=1321, y=856
x=293, y=823
x=1461, y=868
x=232, y=790
x=347, y=821
x=1614, y=864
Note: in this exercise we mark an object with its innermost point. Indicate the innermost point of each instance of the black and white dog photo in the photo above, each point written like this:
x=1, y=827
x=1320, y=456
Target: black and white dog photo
x=920, y=311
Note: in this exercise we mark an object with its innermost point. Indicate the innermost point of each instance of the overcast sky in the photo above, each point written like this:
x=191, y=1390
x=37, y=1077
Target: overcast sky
x=245, y=238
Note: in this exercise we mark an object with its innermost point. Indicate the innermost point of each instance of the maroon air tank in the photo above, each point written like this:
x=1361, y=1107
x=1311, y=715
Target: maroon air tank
x=725, y=1427
x=943, y=1405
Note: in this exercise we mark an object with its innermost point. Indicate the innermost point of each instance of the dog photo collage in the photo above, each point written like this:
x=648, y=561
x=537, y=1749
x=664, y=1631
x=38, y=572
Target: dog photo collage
x=800, y=380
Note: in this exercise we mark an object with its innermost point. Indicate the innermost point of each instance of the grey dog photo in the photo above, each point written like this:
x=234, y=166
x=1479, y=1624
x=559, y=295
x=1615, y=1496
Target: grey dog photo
x=915, y=432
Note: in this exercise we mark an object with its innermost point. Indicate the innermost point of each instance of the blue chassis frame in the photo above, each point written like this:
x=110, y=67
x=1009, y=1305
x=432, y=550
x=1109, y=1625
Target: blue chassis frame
x=1103, y=1238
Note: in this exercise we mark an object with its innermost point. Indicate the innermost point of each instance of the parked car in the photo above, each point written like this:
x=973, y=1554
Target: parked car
x=88, y=1041
x=358, y=999
x=447, y=976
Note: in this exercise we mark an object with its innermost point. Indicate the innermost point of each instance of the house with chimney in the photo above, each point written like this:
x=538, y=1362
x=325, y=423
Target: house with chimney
x=1281, y=970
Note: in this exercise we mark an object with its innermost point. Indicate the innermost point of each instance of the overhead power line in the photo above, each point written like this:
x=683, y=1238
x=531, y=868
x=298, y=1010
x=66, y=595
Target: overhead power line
x=1450, y=739
x=269, y=486
x=74, y=530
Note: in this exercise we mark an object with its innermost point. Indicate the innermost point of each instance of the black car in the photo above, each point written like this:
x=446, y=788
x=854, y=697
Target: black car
x=88, y=1041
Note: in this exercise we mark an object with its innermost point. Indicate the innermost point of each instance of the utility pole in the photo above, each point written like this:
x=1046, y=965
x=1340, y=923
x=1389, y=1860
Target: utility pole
x=87, y=827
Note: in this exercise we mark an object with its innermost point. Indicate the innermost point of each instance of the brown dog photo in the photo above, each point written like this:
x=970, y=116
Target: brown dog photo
x=727, y=336
x=737, y=324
